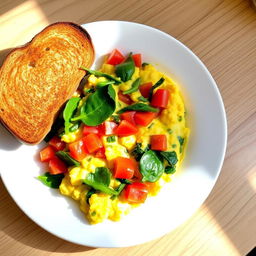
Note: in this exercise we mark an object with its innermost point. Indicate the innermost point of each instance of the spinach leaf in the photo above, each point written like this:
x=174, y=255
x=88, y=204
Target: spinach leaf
x=157, y=84
x=135, y=86
x=65, y=156
x=126, y=69
x=170, y=169
x=74, y=127
x=98, y=107
x=89, y=194
x=50, y=180
x=98, y=73
x=100, y=180
x=151, y=166
x=125, y=181
x=143, y=99
x=138, y=107
x=115, y=118
x=170, y=156
x=138, y=151
x=68, y=112
x=101, y=84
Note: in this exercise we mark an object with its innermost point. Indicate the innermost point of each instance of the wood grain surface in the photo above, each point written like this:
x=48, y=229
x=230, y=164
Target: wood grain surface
x=223, y=34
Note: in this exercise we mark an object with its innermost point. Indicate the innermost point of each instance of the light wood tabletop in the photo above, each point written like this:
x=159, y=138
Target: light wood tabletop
x=222, y=33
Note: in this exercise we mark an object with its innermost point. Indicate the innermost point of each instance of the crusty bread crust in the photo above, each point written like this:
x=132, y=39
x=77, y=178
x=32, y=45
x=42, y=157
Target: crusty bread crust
x=38, y=78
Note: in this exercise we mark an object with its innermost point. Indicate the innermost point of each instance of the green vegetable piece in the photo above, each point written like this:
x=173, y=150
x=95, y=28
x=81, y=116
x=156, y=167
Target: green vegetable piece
x=174, y=145
x=170, y=156
x=115, y=118
x=138, y=151
x=74, y=127
x=100, y=180
x=143, y=99
x=98, y=107
x=89, y=90
x=135, y=86
x=181, y=141
x=98, y=73
x=179, y=118
x=111, y=139
x=125, y=181
x=50, y=180
x=69, y=160
x=144, y=64
x=89, y=194
x=169, y=131
x=151, y=167
x=68, y=112
x=101, y=84
x=138, y=107
x=126, y=69
x=157, y=84
x=170, y=169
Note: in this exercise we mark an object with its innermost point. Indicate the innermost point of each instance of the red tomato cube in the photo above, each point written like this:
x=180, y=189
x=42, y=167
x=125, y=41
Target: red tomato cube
x=115, y=57
x=158, y=142
x=92, y=142
x=144, y=118
x=56, y=166
x=160, y=98
x=47, y=154
x=125, y=128
x=57, y=143
x=136, y=192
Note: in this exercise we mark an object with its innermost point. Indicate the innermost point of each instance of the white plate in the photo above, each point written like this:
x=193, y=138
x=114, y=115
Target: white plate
x=180, y=198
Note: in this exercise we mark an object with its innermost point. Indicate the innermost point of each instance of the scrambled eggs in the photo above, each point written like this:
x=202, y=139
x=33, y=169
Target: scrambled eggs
x=170, y=123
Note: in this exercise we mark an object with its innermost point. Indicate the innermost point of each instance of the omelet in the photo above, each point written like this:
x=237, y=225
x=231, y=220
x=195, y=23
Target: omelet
x=115, y=165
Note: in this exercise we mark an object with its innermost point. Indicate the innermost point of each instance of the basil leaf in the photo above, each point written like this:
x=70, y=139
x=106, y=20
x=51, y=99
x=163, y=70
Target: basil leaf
x=141, y=98
x=151, y=167
x=101, y=84
x=98, y=107
x=138, y=107
x=50, y=180
x=170, y=156
x=98, y=73
x=135, y=86
x=100, y=180
x=157, y=84
x=126, y=69
x=68, y=112
x=138, y=151
x=65, y=156
x=170, y=169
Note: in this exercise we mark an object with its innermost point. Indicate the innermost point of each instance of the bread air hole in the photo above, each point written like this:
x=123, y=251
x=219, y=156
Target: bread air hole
x=32, y=64
x=47, y=49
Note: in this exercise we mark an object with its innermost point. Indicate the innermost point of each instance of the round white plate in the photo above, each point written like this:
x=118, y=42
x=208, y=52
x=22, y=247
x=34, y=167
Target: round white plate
x=180, y=198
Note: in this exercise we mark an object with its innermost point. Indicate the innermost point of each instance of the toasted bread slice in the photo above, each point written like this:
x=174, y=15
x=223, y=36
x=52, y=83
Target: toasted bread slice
x=38, y=78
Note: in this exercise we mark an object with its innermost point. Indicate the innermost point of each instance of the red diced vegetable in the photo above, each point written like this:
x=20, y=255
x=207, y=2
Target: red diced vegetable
x=57, y=143
x=124, y=168
x=137, y=60
x=145, y=89
x=144, y=118
x=125, y=128
x=115, y=57
x=128, y=116
x=108, y=127
x=124, y=98
x=90, y=129
x=78, y=150
x=158, y=142
x=47, y=154
x=56, y=166
x=92, y=142
x=136, y=192
x=160, y=98
x=100, y=153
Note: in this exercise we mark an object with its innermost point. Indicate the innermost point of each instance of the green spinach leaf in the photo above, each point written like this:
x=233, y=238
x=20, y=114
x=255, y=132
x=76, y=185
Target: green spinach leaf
x=151, y=166
x=98, y=107
x=89, y=194
x=50, y=180
x=138, y=107
x=157, y=84
x=100, y=180
x=98, y=73
x=170, y=156
x=69, y=160
x=135, y=86
x=138, y=151
x=68, y=112
x=126, y=69
x=170, y=169
x=143, y=99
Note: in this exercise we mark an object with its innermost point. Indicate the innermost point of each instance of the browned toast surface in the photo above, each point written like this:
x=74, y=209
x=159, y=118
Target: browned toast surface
x=38, y=78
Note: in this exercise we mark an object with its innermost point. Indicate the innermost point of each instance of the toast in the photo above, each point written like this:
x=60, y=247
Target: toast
x=39, y=77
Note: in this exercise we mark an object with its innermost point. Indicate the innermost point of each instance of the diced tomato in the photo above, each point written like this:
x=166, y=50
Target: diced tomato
x=115, y=57
x=160, y=98
x=47, y=154
x=57, y=143
x=92, y=142
x=124, y=168
x=144, y=118
x=124, y=98
x=90, y=129
x=56, y=166
x=137, y=59
x=107, y=128
x=78, y=150
x=145, y=89
x=128, y=116
x=136, y=192
x=125, y=128
x=100, y=153
x=158, y=142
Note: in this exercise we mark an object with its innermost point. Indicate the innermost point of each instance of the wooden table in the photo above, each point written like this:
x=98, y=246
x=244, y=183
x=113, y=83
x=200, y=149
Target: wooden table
x=223, y=34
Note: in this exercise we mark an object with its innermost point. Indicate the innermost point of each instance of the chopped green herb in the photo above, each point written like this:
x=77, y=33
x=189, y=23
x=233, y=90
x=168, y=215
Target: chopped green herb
x=174, y=145
x=135, y=86
x=115, y=118
x=143, y=99
x=89, y=194
x=181, y=141
x=179, y=118
x=111, y=138
x=93, y=213
x=169, y=131
x=150, y=125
